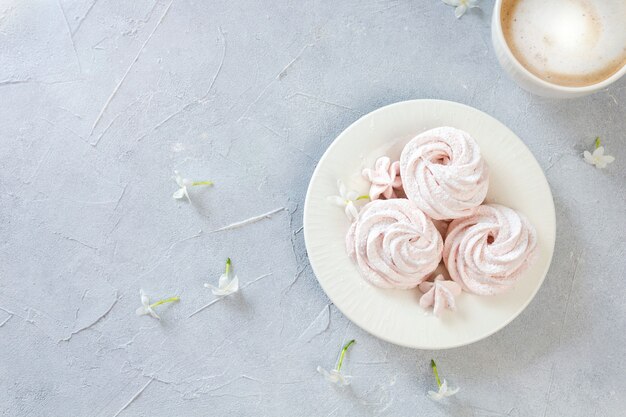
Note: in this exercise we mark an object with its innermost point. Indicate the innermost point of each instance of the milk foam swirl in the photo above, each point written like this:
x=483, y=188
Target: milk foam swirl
x=488, y=251
x=394, y=244
x=444, y=173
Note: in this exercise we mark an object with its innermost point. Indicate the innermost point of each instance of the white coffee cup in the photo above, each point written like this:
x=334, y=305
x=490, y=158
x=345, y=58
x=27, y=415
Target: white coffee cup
x=529, y=81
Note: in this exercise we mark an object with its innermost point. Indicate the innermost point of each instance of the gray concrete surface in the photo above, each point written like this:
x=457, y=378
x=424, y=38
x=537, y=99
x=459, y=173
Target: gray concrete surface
x=101, y=100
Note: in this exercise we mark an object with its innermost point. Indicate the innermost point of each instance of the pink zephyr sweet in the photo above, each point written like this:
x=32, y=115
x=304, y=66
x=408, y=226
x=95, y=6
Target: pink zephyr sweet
x=440, y=294
x=384, y=178
x=444, y=172
x=488, y=251
x=394, y=244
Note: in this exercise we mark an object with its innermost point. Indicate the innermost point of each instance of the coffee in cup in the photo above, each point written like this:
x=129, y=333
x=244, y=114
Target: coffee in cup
x=571, y=43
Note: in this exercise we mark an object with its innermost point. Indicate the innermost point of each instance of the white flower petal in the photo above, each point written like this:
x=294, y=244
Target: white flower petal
x=444, y=386
x=227, y=285
x=233, y=285
x=352, y=195
x=452, y=2
x=212, y=287
x=598, y=158
x=435, y=395
x=145, y=300
x=334, y=376
x=351, y=211
x=223, y=281
x=222, y=292
x=145, y=307
x=153, y=313
x=342, y=188
x=178, y=194
x=178, y=179
x=324, y=373
x=343, y=380
x=219, y=292
x=444, y=391
x=460, y=11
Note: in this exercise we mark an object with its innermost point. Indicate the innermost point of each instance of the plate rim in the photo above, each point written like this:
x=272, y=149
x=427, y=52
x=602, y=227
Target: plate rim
x=552, y=214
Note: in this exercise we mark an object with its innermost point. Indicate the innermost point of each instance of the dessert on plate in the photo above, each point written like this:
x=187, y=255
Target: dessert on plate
x=439, y=294
x=488, y=251
x=384, y=179
x=443, y=171
x=394, y=244
x=430, y=205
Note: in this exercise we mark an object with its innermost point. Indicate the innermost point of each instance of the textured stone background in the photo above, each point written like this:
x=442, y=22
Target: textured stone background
x=101, y=100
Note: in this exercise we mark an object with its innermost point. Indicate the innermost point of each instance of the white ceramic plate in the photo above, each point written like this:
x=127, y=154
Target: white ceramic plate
x=516, y=180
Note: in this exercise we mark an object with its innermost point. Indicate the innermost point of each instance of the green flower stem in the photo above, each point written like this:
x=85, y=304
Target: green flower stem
x=343, y=353
x=434, y=366
x=202, y=183
x=363, y=197
x=167, y=300
x=227, y=266
x=598, y=143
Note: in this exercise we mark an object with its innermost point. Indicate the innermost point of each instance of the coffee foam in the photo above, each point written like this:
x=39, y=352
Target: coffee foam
x=572, y=43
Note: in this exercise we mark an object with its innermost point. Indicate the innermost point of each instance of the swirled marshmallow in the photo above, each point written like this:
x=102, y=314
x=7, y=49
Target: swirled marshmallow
x=394, y=244
x=384, y=178
x=443, y=171
x=440, y=294
x=488, y=251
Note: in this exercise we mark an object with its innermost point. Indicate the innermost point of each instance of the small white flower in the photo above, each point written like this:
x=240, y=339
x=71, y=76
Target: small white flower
x=334, y=375
x=598, y=158
x=461, y=6
x=148, y=309
x=443, y=391
x=227, y=283
x=183, y=183
x=347, y=199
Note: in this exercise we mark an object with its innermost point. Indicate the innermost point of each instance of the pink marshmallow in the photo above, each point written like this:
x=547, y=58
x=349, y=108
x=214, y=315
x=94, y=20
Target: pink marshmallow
x=394, y=244
x=384, y=178
x=440, y=294
x=444, y=172
x=488, y=251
